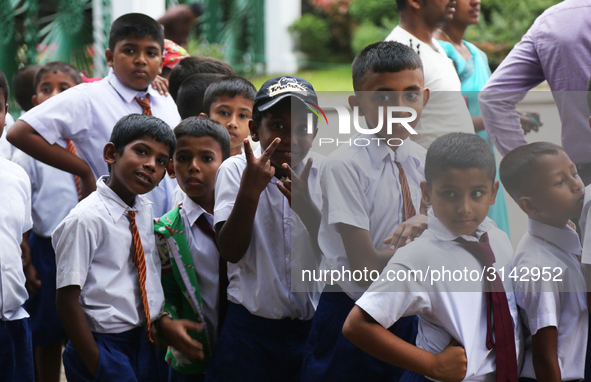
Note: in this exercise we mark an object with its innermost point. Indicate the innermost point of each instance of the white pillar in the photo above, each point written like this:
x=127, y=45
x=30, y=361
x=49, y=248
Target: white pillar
x=279, y=15
x=152, y=8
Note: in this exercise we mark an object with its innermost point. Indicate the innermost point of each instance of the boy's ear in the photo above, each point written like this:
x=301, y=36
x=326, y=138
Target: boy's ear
x=110, y=153
x=414, y=4
x=589, y=121
x=354, y=101
x=170, y=170
x=495, y=189
x=34, y=100
x=203, y=115
x=426, y=191
x=254, y=130
x=528, y=206
x=109, y=57
x=426, y=96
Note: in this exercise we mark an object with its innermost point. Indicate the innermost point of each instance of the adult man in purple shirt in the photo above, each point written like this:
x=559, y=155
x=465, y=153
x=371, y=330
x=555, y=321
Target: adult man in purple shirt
x=556, y=48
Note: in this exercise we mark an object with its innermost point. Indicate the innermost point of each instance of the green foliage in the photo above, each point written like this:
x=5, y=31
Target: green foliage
x=367, y=33
x=312, y=36
x=202, y=48
x=7, y=21
x=376, y=12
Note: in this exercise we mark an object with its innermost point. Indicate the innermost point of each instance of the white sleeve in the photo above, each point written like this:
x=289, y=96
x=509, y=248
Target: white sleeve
x=343, y=184
x=66, y=115
x=74, y=243
x=227, y=184
x=28, y=164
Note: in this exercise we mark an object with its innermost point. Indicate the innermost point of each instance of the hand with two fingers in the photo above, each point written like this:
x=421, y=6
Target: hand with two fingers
x=259, y=171
x=407, y=231
x=296, y=186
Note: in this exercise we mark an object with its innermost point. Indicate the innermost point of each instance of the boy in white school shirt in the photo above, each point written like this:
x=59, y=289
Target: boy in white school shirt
x=479, y=315
x=550, y=288
x=16, y=351
x=87, y=113
x=364, y=203
x=267, y=324
x=108, y=271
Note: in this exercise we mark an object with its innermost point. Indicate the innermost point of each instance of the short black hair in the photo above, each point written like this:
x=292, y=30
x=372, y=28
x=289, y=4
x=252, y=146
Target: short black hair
x=204, y=127
x=193, y=65
x=135, y=25
x=23, y=85
x=401, y=5
x=4, y=86
x=516, y=167
x=384, y=57
x=58, y=66
x=189, y=99
x=459, y=151
x=230, y=86
x=135, y=126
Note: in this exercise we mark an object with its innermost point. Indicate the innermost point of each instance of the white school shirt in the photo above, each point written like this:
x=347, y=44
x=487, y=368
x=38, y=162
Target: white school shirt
x=541, y=302
x=262, y=280
x=361, y=188
x=15, y=220
x=6, y=149
x=446, y=111
x=205, y=257
x=443, y=310
x=585, y=227
x=53, y=191
x=87, y=113
x=94, y=250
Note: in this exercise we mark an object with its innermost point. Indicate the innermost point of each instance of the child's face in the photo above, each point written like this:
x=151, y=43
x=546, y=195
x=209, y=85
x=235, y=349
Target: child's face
x=52, y=84
x=557, y=191
x=460, y=198
x=404, y=88
x=139, y=169
x=196, y=162
x=233, y=113
x=3, y=111
x=136, y=61
x=280, y=122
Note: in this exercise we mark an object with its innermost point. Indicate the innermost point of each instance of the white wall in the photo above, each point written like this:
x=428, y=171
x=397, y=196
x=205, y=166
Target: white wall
x=279, y=15
x=152, y=8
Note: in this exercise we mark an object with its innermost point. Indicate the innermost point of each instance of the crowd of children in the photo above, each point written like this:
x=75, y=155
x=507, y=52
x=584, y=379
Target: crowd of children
x=161, y=246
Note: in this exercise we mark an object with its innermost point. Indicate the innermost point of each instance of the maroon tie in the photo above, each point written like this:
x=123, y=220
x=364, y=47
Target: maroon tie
x=504, y=339
x=205, y=227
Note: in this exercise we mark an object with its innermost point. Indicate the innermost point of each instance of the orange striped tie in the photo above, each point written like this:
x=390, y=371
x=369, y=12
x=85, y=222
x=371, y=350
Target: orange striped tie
x=145, y=104
x=140, y=262
x=409, y=209
x=70, y=147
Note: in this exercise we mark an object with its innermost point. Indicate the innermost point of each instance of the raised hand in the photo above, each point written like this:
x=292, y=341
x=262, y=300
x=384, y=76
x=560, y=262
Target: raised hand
x=296, y=185
x=259, y=171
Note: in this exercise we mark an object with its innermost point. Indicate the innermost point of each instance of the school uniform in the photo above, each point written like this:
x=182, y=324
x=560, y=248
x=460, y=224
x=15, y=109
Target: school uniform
x=94, y=250
x=267, y=324
x=361, y=188
x=87, y=113
x=545, y=303
x=16, y=351
x=54, y=194
x=446, y=310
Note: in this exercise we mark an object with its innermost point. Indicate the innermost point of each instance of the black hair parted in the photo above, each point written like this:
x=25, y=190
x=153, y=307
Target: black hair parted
x=23, y=86
x=135, y=126
x=4, y=86
x=459, y=151
x=204, y=127
x=193, y=65
x=58, y=66
x=189, y=99
x=135, y=25
x=384, y=57
x=516, y=167
x=230, y=86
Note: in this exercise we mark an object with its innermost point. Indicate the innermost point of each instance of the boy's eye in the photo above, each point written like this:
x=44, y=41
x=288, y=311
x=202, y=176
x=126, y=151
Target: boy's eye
x=140, y=151
x=383, y=98
x=477, y=194
x=411, y=96
x=162, y=162
x=128, y=51
x=278, y=126
x=182, y=158
x=207, y=159
x=449, y=194
x=45, y=90
x=152, y=54
x=64, y=88
x=243, y=116
x=560, y=183
x=576, y=175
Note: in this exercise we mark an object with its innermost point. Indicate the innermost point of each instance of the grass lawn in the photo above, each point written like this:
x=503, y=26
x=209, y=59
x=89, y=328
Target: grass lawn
x=337, y=78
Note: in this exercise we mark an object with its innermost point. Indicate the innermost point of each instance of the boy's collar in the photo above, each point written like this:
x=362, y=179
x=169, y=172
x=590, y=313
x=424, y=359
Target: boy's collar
x=383, y=151
x=126, y=93
x=442, y=233
x=194, y=210
x=566, y=238
x=113, y=203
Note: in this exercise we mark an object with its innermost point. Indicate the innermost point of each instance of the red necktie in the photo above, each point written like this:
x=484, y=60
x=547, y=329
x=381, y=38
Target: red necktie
x=145, y=104
x=204, y=226
x=409, y=209
x=504, y=339
x=140, y=262
x=70, y=147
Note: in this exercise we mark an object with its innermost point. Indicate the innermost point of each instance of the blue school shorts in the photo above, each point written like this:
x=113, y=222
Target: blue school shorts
x=329, y=356
x=45, y=323
x=257, y=349
x=16, y=351
x=124, y=357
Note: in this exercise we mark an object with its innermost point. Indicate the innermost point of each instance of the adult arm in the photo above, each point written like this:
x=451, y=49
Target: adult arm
x=520, y=71
x=544, y=355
